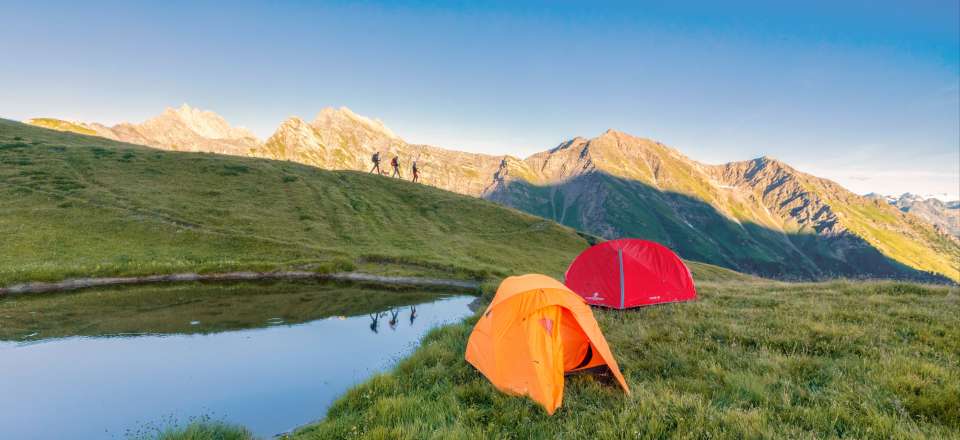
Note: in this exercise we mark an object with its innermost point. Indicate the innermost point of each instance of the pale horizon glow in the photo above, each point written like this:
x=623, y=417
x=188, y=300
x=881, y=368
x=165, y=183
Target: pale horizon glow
x=863, y=93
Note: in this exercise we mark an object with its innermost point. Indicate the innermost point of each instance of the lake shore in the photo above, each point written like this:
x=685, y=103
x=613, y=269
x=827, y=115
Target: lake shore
x=355, y=277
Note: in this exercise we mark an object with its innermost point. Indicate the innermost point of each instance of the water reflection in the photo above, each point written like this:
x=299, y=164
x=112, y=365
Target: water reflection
x=375, y=322
x=271, y=375
x=194, y=308
x=394, y=313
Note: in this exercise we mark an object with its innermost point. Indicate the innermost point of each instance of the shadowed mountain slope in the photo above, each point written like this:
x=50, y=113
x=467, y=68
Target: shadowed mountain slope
x=760, y=216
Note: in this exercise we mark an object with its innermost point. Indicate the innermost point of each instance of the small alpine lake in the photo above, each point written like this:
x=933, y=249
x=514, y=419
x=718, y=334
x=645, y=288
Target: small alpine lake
x=118, y=363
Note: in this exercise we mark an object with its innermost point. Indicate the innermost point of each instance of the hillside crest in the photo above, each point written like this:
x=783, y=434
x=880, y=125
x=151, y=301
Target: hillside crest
x=760, y=216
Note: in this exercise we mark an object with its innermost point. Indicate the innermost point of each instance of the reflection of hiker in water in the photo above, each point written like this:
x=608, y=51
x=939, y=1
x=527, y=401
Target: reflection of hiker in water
x=394, y=313
x=413, y=314
x=395, y=163
x=374, y=322
x=416, y=171
x=376, y=162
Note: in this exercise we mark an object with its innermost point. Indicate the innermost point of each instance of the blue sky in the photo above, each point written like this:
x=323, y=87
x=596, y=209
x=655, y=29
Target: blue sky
x=865, y=93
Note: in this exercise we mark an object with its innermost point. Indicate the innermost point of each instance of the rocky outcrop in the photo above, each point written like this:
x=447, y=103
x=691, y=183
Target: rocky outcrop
x=788, y=193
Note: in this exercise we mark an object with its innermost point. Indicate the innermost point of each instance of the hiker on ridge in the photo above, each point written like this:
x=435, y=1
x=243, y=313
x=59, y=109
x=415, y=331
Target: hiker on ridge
x=376, y=162
x=416, y=171
x=395, y=163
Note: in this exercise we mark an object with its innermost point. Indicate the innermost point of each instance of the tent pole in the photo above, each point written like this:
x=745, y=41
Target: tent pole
x=622, y=289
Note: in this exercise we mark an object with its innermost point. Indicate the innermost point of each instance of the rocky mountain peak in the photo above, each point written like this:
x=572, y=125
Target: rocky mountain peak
x=182, y=129
x=204, y=123
x=293, y=122
x=614, y=133
x=944, y=216
x=345, y=119
x=291, y=128
x=770, y=162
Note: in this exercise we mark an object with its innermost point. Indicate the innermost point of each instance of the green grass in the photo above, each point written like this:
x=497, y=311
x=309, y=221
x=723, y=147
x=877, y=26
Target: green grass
x=201, y=428
x=75, y=205
x=749, y=359
x=207, y=431
x=61, y=125
x=167, y=309
x=874, y=222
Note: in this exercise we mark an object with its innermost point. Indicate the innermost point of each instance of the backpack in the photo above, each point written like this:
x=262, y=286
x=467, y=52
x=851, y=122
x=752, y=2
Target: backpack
x=376, y=157
x=394, y=162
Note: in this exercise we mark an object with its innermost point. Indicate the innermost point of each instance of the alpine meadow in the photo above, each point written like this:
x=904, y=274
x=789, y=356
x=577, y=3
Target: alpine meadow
x=459, y=220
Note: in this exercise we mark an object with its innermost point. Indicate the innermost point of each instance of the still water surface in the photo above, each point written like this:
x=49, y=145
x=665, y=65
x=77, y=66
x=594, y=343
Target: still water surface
x=270, y=379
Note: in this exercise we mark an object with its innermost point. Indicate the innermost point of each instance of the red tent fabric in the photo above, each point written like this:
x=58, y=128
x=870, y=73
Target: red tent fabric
x=629, y=273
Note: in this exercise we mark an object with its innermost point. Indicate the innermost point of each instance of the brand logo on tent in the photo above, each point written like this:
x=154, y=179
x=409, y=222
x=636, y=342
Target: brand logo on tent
x=547, y=325
x=595, y=297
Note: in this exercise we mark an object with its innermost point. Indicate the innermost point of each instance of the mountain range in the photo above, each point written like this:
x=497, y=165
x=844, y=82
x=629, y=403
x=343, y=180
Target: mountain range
x=759, y=216
x=943, y=215
x=180, y=129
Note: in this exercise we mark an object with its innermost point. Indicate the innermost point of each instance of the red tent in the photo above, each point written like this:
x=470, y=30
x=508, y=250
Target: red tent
x=629, y=273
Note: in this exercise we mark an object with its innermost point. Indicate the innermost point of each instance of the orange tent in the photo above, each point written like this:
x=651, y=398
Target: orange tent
x=534, y=331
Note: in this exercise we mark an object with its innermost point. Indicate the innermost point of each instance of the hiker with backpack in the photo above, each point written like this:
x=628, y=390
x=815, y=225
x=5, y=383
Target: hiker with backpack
x=395, y=162
x=376, y=162
x=416, y=171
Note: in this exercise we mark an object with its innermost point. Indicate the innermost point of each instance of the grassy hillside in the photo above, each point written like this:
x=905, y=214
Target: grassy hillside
x=755, y=359
x=78, y=205
x=61, y=125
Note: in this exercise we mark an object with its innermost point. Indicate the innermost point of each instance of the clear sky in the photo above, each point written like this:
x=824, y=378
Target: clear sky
x=863, y=92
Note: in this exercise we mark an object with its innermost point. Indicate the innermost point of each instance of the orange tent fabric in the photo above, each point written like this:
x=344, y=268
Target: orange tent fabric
x=534, y=331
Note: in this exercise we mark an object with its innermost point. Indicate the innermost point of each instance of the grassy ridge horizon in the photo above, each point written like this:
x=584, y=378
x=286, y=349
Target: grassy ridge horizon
x=760, y=216
x=87, y=206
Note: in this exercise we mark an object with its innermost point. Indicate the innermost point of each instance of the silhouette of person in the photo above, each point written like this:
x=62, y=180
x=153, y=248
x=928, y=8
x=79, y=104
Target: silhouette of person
x=376, y=162
x=416, y=171
x=374, y=322
x=395, y=162
x=413, y=314
x=394, y=313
